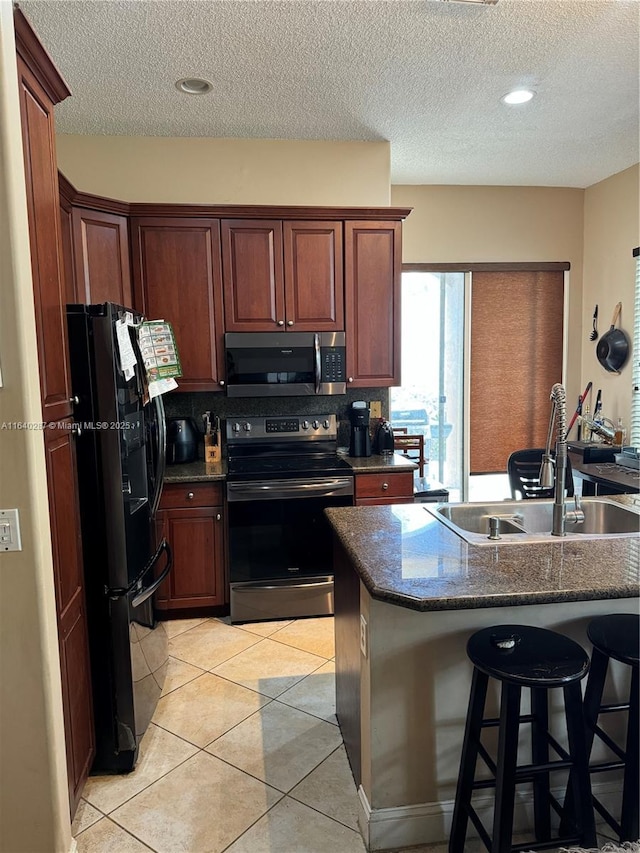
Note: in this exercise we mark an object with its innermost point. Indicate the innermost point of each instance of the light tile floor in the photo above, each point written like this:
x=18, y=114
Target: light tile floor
x=244, y=753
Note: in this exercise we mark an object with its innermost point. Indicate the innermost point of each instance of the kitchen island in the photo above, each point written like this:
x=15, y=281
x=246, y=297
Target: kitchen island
x=408, y=594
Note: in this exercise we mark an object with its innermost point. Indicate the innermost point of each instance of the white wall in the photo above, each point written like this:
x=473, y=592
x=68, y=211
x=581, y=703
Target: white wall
x=611, y=232
x=228, y=171
x=34, y=807
x=594, y=229
x=451, y=224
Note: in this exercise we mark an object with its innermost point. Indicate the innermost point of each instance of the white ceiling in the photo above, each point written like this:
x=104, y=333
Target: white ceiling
x=427, y=76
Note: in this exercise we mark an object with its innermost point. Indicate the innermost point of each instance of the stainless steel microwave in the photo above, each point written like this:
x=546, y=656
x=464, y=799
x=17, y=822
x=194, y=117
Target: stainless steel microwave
x=285, y=364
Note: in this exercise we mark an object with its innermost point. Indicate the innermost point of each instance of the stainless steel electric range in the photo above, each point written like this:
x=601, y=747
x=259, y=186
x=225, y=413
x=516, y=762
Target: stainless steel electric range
x=282, y=473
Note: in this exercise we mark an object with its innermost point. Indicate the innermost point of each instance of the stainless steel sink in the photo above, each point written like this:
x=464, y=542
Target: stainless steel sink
x=532, y=520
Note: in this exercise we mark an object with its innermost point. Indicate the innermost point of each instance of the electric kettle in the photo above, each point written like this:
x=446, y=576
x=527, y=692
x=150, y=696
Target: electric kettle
x=385, y=442
x=182, y=440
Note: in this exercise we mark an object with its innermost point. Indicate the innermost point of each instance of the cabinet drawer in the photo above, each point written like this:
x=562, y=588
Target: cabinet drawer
x=176, y=495
x=384, y=485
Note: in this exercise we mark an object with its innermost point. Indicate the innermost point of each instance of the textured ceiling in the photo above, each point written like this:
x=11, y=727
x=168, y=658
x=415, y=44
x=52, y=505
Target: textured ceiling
x=424, y=75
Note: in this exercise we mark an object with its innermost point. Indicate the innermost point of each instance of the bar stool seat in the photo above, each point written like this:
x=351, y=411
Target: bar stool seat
x=524, y=656
x=616, y=637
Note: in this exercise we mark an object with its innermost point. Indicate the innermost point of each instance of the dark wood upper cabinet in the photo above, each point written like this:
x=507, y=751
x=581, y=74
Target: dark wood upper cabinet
x=282, y=275
x=373, y=264
x=253, y=273
x=66, y=237
x=101, y=257
x=313, y=276
x=40, y=87
x=177, y=277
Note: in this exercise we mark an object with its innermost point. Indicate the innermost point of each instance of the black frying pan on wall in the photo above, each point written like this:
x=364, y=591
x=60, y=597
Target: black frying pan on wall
x=612, y=349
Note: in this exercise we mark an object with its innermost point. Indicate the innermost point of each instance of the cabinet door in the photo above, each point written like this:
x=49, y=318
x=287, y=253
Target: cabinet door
x=197, y=576
x=253, y=275
x=66, y=242
x=43, y=206
x=101, y=256
x=314, y=283
x=373, y=263
x=70, y=605
x=177, y=277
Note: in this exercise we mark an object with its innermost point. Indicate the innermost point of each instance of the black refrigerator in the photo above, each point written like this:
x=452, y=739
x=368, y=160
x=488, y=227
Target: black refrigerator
x=120, y=457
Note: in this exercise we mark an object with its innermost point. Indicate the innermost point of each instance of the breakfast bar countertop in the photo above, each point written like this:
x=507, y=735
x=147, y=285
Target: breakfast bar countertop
x=405, y=556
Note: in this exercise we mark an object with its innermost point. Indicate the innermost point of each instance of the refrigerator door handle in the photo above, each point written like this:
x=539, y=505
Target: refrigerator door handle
x=162, y=455
x=136, y=584
x=148, y=591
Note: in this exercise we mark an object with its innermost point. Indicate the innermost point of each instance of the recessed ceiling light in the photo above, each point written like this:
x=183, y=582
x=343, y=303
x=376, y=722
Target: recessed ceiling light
x=518, y=96
x=194, y=86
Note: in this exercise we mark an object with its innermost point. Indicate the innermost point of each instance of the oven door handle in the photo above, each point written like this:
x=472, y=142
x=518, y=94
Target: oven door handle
x=272, y=489
x=317, y=361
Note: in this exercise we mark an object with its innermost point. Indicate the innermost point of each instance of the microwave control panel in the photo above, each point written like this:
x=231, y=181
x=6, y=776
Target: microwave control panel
x=333, y=368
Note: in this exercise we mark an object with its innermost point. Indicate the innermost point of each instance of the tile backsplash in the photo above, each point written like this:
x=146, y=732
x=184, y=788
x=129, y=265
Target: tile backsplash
x=194, y=404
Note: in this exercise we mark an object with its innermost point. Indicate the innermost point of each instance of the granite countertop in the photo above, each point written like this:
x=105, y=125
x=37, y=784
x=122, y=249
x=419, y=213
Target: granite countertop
x=376, y=464
x=196, y=472
x=405, y=556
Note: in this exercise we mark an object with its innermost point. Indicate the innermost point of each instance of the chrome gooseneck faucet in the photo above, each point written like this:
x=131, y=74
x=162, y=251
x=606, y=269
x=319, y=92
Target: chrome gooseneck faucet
x=557, y=478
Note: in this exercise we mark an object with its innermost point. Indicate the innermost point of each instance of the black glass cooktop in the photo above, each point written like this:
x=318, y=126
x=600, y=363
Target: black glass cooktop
x=286, y=466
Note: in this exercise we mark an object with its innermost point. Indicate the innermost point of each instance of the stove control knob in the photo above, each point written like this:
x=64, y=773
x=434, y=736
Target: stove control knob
x=315, y=424
x=246, y=427
x=305, y=424
x=236, y=427
x=326, y=424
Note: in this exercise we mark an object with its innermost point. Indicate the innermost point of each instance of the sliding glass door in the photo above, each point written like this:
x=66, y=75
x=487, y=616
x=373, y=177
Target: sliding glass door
x=431, y=399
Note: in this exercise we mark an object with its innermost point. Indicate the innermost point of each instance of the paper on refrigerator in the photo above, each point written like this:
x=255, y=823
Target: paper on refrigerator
x=160, y=355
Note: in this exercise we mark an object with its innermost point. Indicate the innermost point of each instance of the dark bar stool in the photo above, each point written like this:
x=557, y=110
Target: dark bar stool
x=618, y=637
x=523, y=656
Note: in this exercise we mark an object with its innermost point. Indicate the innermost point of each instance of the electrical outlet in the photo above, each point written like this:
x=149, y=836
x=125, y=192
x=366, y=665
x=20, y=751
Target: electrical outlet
x=363, y=635
x=10, y=530
x=375, y=409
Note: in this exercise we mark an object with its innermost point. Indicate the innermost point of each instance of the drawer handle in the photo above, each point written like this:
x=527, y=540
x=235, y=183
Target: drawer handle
x=218, y=516
x=385, y=486
x=190, y=496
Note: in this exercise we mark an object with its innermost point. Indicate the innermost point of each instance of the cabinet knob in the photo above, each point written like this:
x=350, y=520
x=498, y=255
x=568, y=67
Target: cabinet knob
x=76, y=430
x=385, y=486
x=218, y=516
x=221, y=382
x=74, y=400
x=281, y=322
x=289, y=322
x=350, y=379
x=190, y=496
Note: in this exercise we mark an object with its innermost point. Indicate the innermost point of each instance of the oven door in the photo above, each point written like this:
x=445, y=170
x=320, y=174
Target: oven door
x=280, y=546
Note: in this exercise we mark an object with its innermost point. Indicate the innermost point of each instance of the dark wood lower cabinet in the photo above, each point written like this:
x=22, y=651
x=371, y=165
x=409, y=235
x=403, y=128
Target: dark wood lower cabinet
x=386, y=488
x=70, y=605
x=195, y=533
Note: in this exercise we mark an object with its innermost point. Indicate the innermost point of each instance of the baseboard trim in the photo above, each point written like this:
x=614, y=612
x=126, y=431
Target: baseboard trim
x=430, y=823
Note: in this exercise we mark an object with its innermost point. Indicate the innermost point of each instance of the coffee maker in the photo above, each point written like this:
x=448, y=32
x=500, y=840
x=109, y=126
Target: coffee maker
x=360, y=442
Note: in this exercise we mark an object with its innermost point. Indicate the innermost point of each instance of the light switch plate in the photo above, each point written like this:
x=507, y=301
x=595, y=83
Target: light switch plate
x=375, y=409
x=10, y=530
